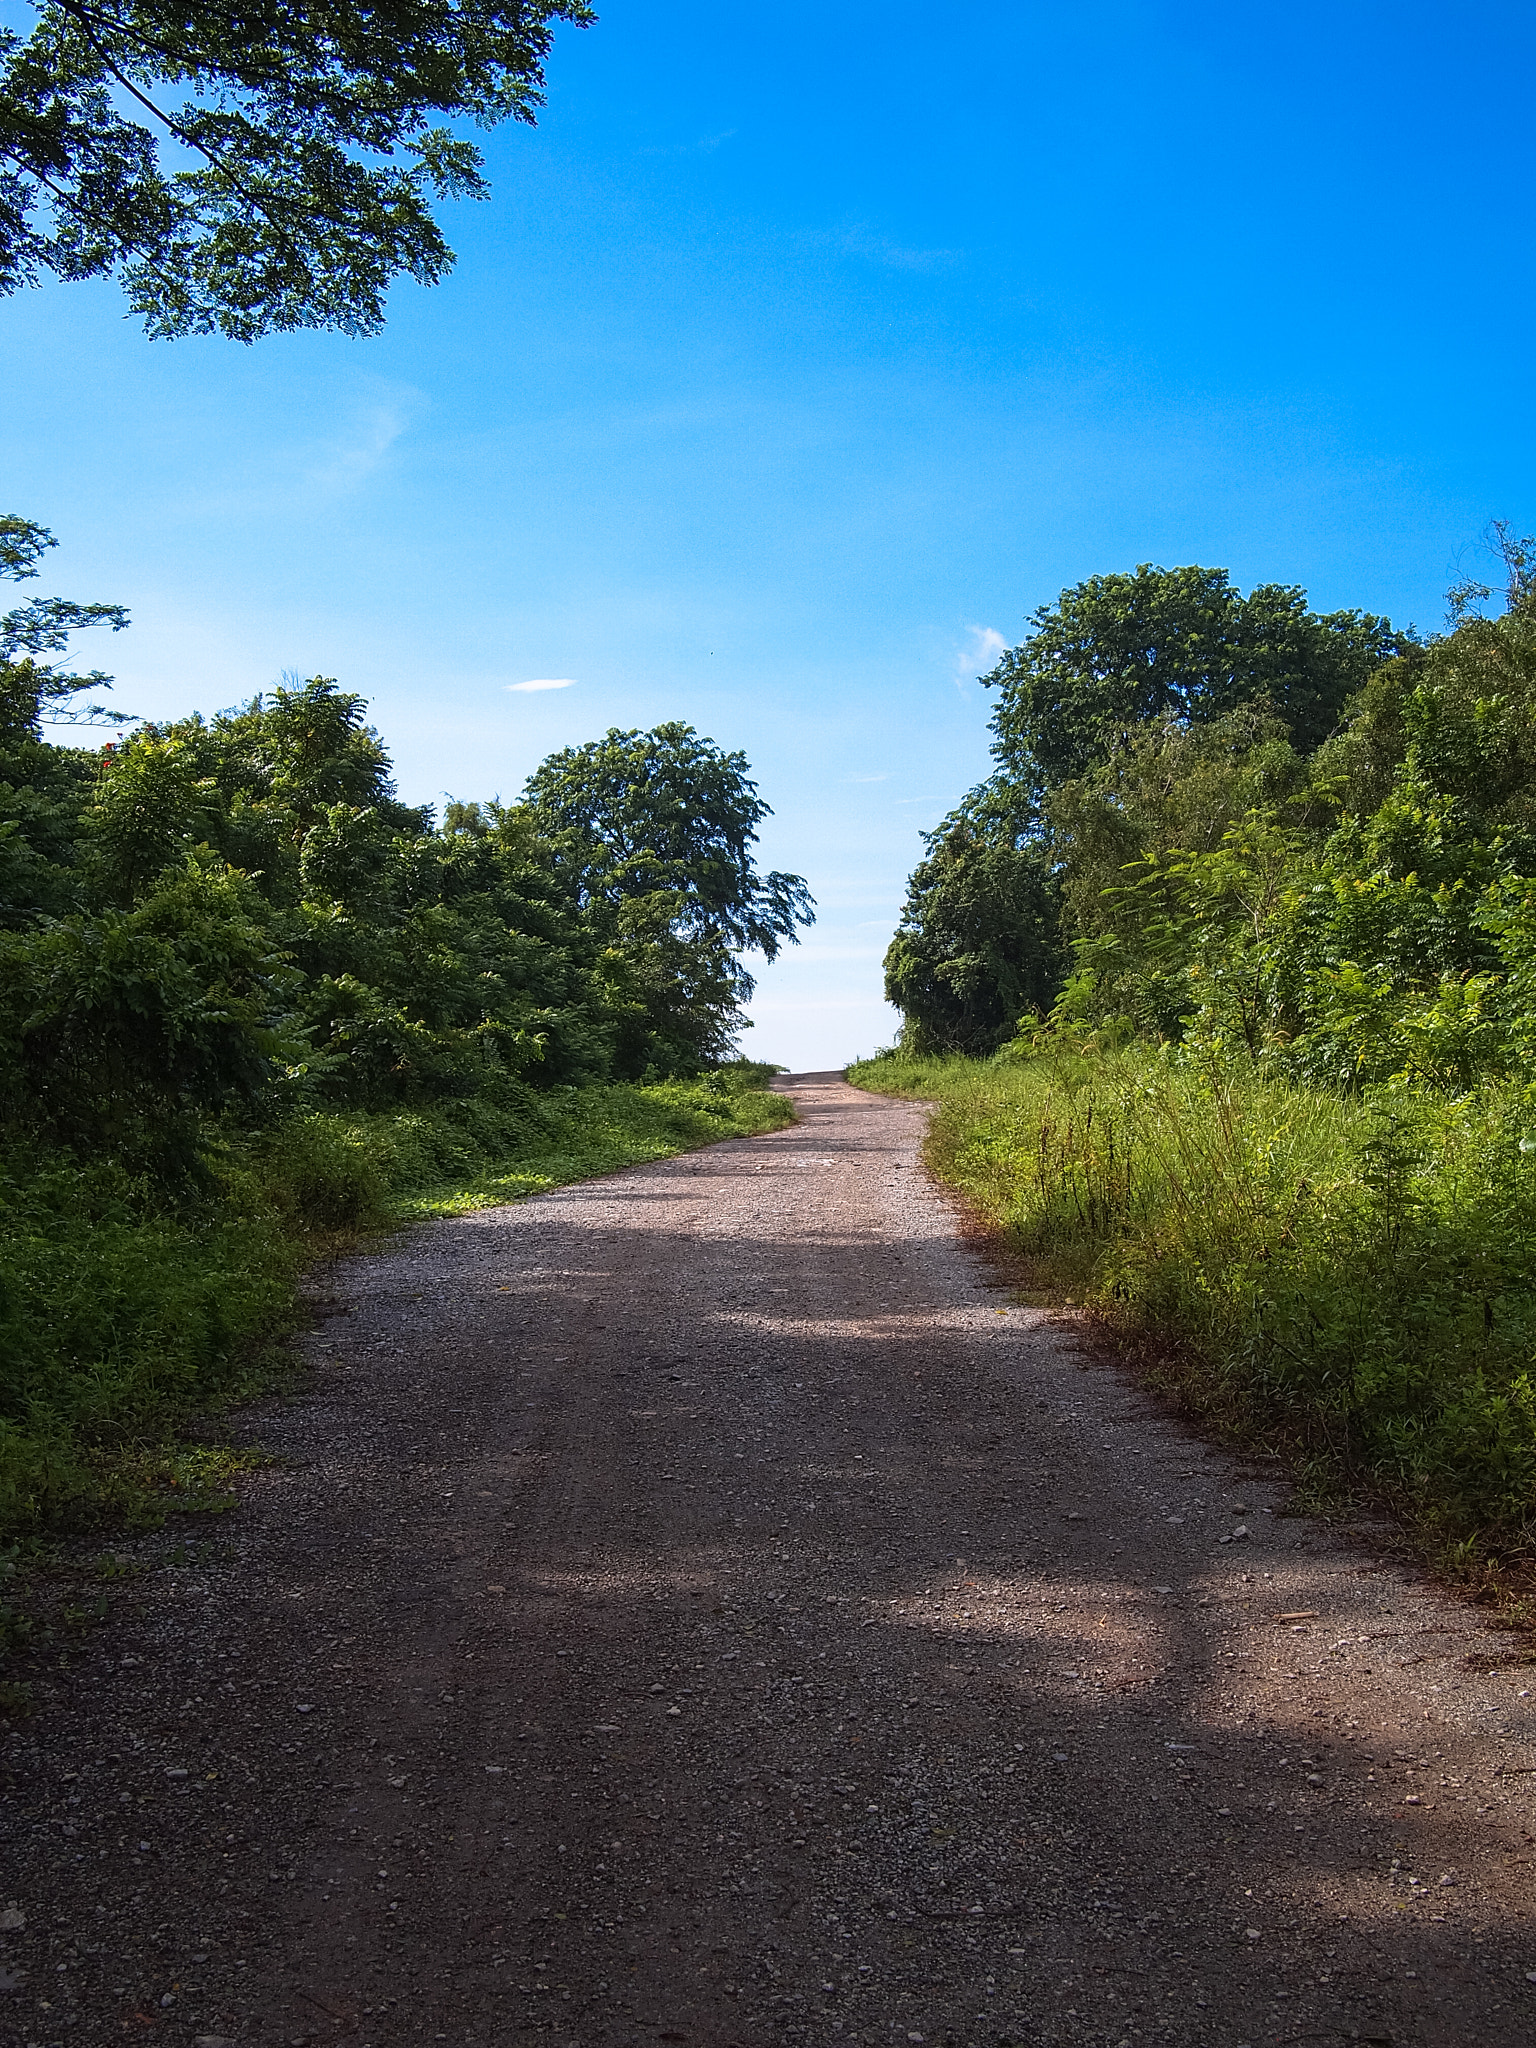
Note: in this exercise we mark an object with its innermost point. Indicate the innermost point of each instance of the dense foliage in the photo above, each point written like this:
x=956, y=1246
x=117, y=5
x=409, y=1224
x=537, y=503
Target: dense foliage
x=256, y=169
x=1132, y=690
x=652, y=834
x=979, y=944
x=247, y=993
x=1361, y=912
x=1179, y=646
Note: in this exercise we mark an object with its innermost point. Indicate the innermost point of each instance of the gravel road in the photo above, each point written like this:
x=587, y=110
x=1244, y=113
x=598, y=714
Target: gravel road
x=700, y=1606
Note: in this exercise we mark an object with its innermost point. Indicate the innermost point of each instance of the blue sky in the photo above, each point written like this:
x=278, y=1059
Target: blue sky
x=801, y=353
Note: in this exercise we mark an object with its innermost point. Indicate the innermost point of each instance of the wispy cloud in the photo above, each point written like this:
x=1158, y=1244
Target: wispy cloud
x=545, y=683
x=984, y=648
x=370, y=427
x=859, y=239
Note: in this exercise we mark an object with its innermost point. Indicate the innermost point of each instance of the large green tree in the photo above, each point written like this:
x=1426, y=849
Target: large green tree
x=258, y=166
x=978, y=944
x=654, y=832
x=1118, y=653
x=1139, y=708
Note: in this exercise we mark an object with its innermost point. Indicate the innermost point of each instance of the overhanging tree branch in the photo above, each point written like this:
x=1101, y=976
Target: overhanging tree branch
x=293, y=221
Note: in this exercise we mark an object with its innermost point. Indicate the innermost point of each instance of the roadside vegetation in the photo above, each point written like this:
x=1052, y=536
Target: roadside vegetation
x=252, y=1005
x=1266, y=883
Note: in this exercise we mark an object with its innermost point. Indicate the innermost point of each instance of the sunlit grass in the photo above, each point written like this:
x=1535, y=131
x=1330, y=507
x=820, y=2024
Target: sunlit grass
x=1352, y=1278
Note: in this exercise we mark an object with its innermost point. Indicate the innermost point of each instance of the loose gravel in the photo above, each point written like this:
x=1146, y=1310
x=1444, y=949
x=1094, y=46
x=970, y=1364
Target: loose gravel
x=701, y=1606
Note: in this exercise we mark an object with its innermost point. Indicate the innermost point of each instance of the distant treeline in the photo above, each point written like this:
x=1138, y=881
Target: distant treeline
x=237, y=915
x=1229, y=821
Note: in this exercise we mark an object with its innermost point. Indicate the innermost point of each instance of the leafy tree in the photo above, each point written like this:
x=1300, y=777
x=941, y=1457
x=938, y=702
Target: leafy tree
x=428, y=964
x=442, y=964
x=1168, y=787
x=978, y=943
x=1119, y=653
x=665, y=813
x=1358, y=917
x=240, y=169
x=1144, y=714
x=125, y=1025
x=222, y=923
x=303, y=748
x=653, y=833
x=1463, y=711
x=39, y=628
x=43, y=789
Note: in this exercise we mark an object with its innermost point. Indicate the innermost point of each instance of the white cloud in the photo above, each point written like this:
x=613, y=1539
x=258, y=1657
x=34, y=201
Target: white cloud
x=374, y=420
x=546, y=683
x=987, y=647
x=983, y=649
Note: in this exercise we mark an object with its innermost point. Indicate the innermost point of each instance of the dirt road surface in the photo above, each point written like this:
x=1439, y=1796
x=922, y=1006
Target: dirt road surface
x=697, y=1606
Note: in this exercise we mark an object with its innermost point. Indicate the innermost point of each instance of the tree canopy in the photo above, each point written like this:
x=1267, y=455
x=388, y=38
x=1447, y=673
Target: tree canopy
x=253, y=168
x=1143, y=711
x=654, y=833
x=237, y=918
x=977, y=945
x=1344, y=888
x=1117, y=652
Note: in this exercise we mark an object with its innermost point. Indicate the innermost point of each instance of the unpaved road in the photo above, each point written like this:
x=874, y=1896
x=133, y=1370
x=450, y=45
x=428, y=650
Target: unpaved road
x=695, y=1606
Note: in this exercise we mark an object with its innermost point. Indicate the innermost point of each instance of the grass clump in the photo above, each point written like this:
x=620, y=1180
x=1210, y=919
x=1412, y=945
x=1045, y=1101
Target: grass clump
x=125, y=1311
x=1350, y=1277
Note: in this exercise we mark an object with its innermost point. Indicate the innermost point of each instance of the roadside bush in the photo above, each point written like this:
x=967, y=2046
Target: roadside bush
x=117, y=1312
x=326, y=1172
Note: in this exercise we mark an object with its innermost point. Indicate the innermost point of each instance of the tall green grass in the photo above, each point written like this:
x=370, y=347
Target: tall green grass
x=124, y=1314
x=1352, y=1279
